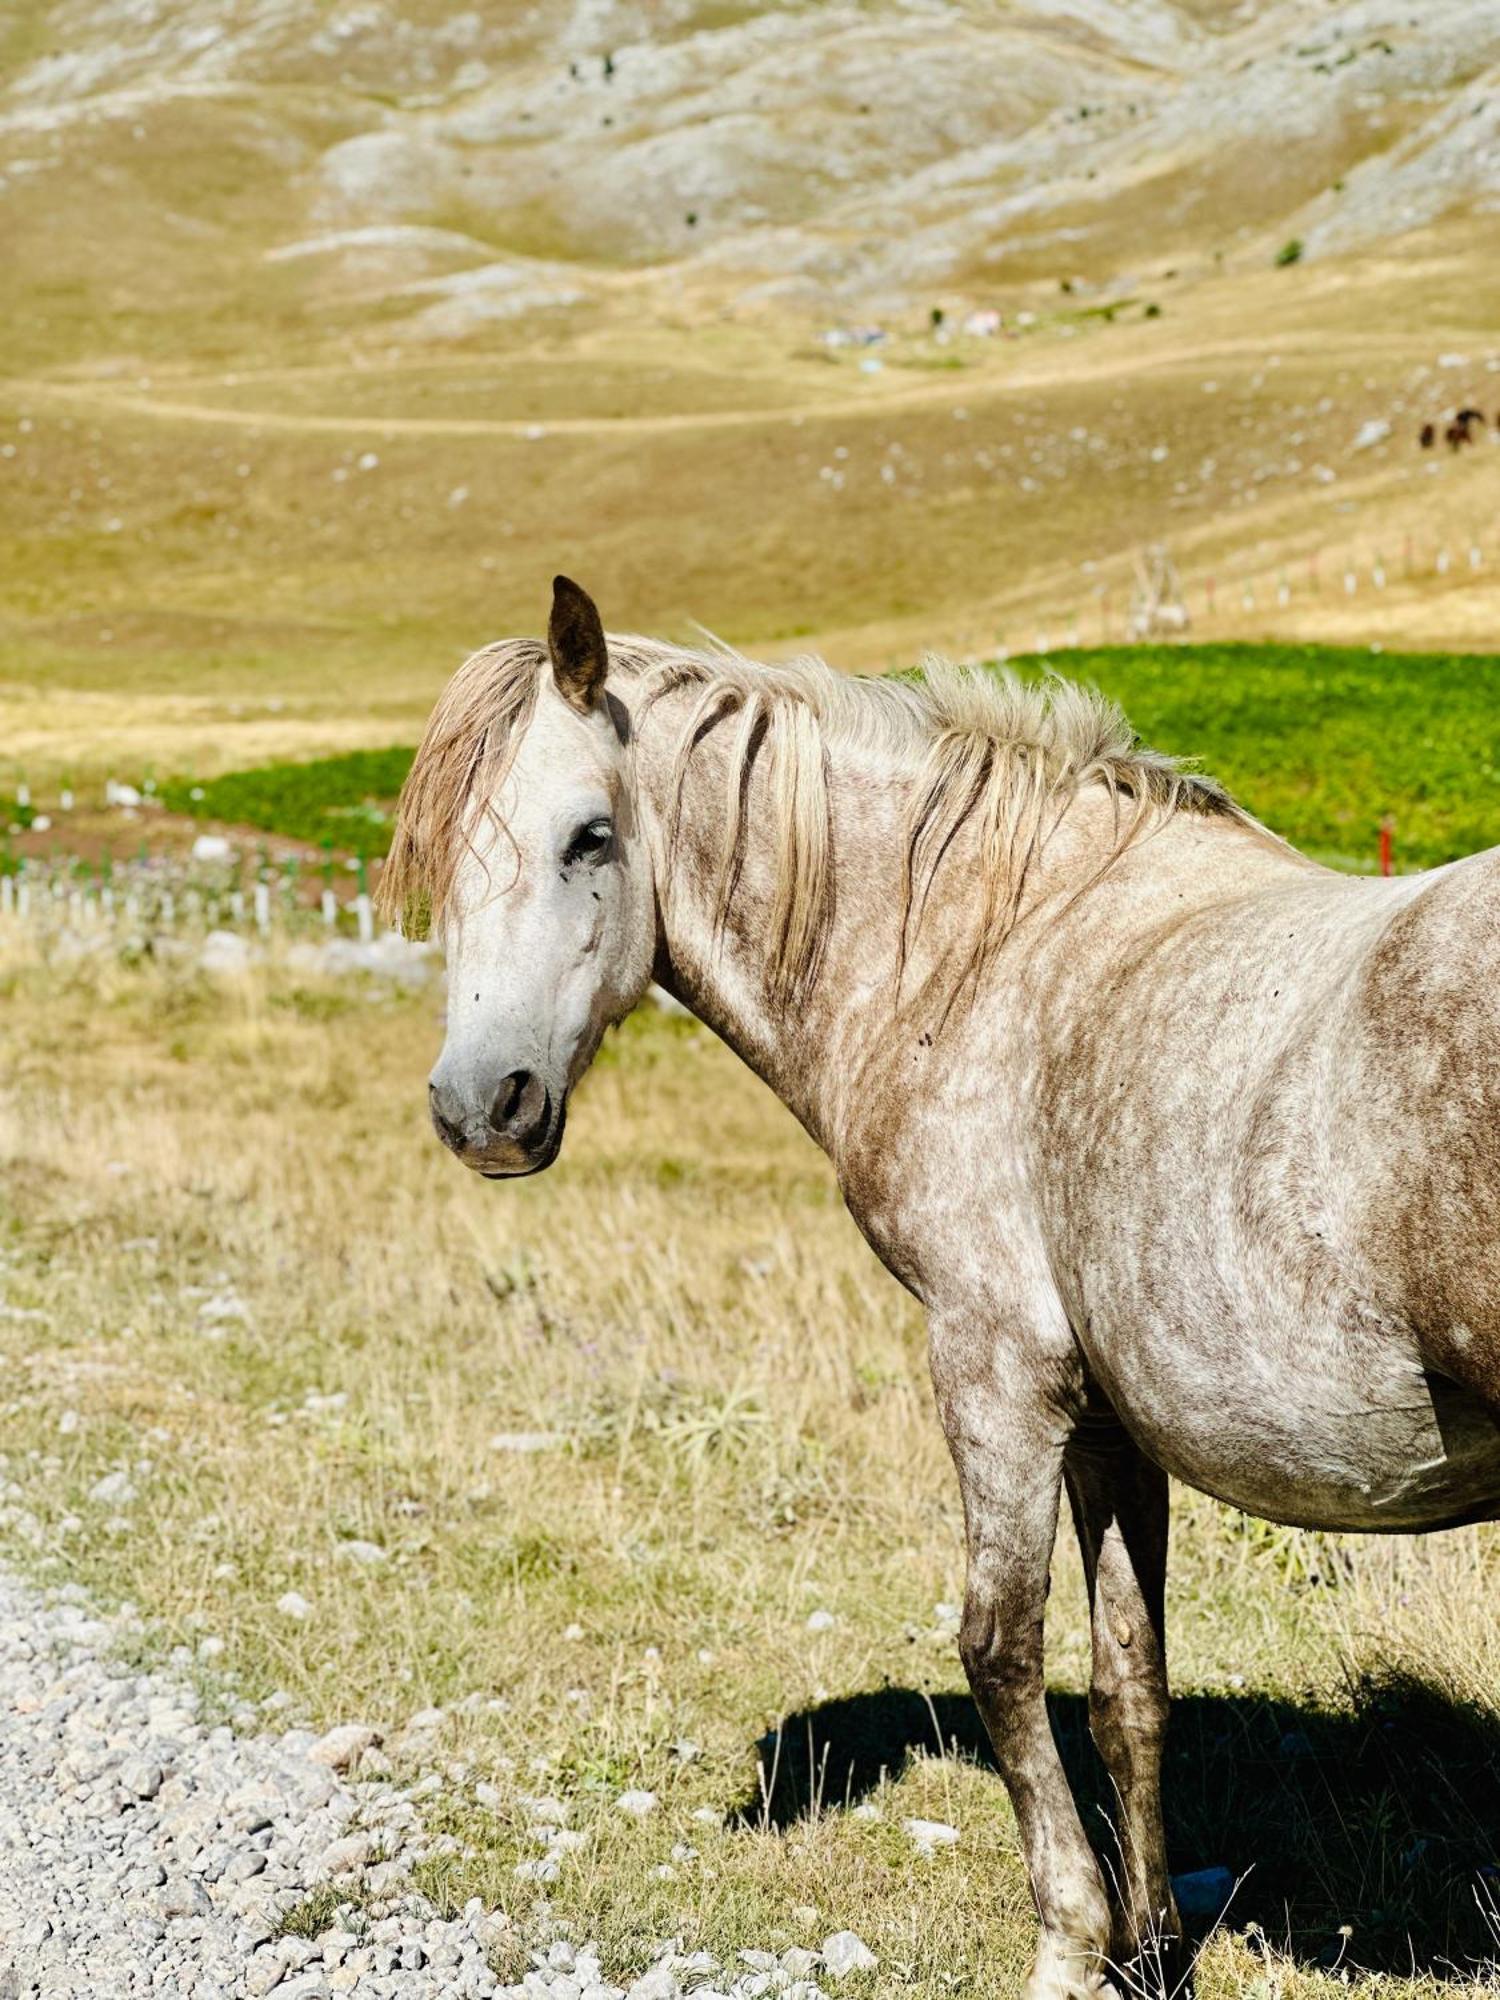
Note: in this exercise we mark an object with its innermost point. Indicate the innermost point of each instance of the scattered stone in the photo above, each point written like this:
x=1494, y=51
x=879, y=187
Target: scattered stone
x=141, y=1779
x=160, y=1854
x=244, y=1867
x=553, y=1812
x=930, y=1834
x=345, y=1856
x=847, y=1952
x=367, y=1554
x=184, y=1898
x=343, y=1747
x=292, y=1604
x=113, y=1490
x=264, y=1971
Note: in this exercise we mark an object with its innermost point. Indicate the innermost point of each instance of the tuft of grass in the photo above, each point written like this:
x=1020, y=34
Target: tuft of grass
x=317, y=1912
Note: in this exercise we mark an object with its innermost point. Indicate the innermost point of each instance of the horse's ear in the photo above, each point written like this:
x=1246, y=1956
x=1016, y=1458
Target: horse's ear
x=575, y=641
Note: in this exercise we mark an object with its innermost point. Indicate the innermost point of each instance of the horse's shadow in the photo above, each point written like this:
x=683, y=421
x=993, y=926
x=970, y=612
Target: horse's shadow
x=1383, y=1818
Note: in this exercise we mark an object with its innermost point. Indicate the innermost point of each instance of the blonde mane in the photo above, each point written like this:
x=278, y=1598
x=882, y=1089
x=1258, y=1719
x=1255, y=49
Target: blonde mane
x=987, y=750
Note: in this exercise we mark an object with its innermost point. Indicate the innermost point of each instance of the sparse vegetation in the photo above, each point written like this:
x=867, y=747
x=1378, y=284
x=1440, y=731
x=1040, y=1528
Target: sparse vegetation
x=1290, y=252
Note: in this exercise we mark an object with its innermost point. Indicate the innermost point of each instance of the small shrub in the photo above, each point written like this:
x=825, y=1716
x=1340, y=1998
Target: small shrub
x=1290, y=252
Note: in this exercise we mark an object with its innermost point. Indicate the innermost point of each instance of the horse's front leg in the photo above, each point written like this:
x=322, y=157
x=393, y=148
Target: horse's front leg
x=1120, y=1505
x=1008, y=1439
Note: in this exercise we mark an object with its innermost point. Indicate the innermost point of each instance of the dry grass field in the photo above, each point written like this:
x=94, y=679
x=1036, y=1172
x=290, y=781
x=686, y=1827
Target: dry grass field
x=237, y=1271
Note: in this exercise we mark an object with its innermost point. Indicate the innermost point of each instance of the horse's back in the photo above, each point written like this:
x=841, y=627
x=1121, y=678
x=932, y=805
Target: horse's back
x=1279, y=1228
x=1426, y=1024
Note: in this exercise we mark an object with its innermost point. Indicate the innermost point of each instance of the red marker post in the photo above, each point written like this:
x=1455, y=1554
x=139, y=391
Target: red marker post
x=1387, y=843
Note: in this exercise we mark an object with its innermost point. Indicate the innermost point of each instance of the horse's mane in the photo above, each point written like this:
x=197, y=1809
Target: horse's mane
x=987, y=749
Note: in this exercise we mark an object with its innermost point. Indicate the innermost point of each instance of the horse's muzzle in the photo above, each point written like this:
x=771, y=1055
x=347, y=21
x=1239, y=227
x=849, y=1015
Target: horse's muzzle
x=519, y=1132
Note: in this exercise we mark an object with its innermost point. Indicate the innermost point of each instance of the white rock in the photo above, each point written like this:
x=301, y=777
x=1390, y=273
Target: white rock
x=344, y=1745
x=553, y=1811
x=142, y=1779
x=292, y=1604
x=657, y=1984
x=637, y=1803
x=546, y=1868
x=527, y=1441
x=211, y=847
x=345, y=1856
x=223, y=1308
x=821, y=1621
x=224, y=951
x=264, y=1971
x=184, y=1898
x=113, y=1490
x=368, y=1554
x=845, y=1952
x=930, y=1834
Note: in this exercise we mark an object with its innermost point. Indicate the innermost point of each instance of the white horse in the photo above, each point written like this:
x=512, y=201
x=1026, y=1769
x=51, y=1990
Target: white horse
x=1190, y=1148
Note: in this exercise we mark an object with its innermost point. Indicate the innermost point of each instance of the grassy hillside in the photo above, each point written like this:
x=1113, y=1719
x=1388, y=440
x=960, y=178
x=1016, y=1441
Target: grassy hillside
x=330, y=338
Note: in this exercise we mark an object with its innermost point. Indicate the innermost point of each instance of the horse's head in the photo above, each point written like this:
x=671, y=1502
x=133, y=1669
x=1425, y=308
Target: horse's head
x=548, y=910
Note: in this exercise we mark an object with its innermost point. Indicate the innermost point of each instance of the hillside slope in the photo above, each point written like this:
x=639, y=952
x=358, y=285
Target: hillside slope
x=498, y=161
x=335, y=327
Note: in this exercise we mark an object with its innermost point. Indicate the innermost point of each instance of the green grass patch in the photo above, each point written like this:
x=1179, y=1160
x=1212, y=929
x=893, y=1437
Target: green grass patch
x=347, y=800
x=1322, y=741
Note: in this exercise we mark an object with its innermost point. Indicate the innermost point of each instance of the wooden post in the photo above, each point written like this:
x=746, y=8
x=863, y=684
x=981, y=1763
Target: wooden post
x=362, y=908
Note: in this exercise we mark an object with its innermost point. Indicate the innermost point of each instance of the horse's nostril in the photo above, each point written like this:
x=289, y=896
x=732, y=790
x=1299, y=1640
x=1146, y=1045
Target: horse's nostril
x=510, y=1099
x=444, y=1116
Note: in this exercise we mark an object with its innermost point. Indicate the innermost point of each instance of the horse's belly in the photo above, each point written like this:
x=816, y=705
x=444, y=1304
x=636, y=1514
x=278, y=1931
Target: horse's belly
x=1391, y=1449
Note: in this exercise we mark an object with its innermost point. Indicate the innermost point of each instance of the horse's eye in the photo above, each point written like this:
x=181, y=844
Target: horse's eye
x=591, y=842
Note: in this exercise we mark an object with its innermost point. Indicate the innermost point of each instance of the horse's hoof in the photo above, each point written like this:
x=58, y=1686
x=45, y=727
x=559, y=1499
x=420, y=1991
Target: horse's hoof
x=1068, y=1975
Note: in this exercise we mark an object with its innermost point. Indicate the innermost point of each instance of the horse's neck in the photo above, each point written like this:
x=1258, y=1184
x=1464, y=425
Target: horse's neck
x=817, y=1054
x=803, y=1051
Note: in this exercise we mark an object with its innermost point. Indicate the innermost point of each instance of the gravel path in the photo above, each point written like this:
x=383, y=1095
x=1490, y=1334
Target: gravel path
x=142, y=1852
